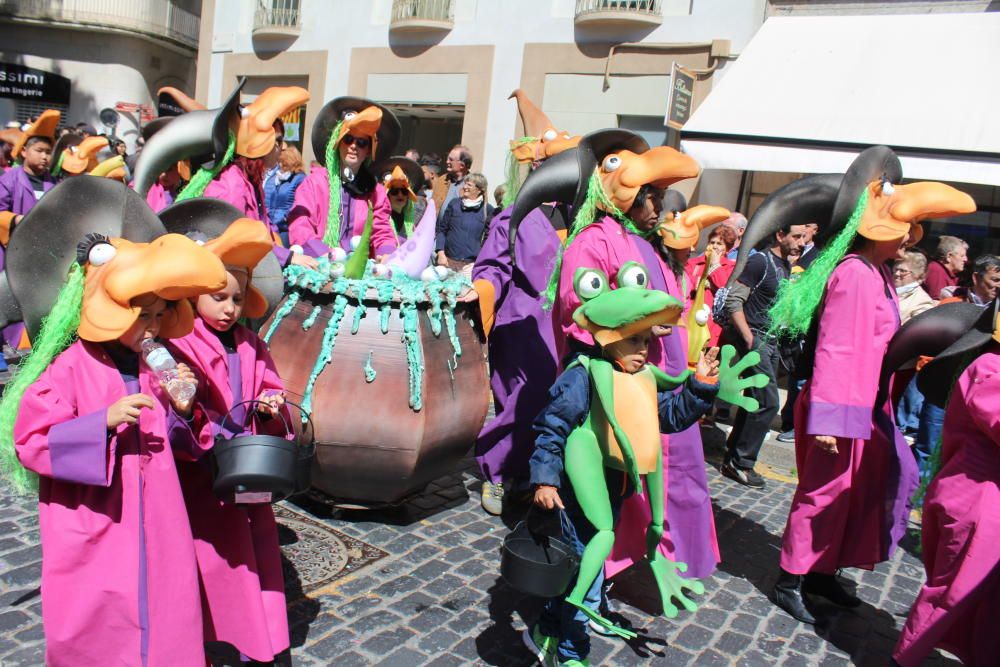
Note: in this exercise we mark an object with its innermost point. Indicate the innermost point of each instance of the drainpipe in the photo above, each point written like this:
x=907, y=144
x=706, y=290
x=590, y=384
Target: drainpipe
x=718, y=50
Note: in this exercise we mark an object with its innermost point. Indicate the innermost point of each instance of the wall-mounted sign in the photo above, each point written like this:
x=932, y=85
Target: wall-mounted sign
x=26, y=83
x=680, y=97
x=144, y=110
x=293, y=125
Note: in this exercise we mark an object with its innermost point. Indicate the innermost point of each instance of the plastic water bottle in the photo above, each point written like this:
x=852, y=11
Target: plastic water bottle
x=161, y=362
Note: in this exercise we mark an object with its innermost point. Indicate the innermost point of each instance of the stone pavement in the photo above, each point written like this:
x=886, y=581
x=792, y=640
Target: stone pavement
x=436, y=597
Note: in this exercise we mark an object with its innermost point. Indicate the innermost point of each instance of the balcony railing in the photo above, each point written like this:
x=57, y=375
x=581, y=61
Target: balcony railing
x=413, y=15
x=619, y=12
x=160, y=19
x=277, y=19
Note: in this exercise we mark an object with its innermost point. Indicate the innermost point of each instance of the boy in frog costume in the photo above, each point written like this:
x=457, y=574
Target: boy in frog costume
x=599, y=438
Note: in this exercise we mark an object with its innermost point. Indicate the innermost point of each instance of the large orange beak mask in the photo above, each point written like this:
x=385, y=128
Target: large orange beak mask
x=44, y=126
x=397, y=179
x=242, y=244
x=623, y=172
x=682, y=226
x=256, y=135
x=83, y=157
x=358, y=117
x=172, y=267
x=893, y=211
x=542, y=140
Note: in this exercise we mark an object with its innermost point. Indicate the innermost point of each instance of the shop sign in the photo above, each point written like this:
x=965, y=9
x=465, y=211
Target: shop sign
x=26, y=83
x=680, y=97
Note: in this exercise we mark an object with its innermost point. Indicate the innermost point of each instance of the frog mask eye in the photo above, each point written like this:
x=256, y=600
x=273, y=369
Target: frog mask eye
x=633, y=274
x=589, y=283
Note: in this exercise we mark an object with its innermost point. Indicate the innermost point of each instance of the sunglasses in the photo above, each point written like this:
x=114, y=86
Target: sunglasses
x=360, y=142
x=397, y=191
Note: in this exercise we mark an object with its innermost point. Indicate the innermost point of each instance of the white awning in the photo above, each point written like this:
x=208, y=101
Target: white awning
x=809, y=93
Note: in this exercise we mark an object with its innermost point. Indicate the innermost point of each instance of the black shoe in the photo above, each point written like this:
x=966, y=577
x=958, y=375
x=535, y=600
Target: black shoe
x=788, y=596
x=745, y=476
x=827, y=586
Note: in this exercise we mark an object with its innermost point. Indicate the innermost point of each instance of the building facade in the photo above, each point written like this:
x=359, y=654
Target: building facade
x=82, y=56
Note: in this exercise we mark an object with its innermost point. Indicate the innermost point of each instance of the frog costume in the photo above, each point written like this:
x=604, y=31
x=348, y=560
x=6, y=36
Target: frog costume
x=622, y=429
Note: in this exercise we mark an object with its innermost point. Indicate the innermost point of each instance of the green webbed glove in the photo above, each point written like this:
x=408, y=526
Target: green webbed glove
x=731, y=385
x=672, y=585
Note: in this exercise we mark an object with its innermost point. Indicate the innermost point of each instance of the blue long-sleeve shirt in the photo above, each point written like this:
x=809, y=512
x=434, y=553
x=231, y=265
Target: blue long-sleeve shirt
x=569, y=404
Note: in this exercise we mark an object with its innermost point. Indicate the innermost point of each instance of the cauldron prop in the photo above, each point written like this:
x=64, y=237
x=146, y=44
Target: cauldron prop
x=261, y=468
x=537, y=564
x=393, y=373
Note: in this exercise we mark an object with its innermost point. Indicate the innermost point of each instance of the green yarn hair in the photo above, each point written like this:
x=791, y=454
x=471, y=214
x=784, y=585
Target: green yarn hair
x=57, y=333
x=196, y=186
x=409, y=218
x=512, y=185
x=585, y=216
x=57, y=169
x=797, y=301
x=332, y=161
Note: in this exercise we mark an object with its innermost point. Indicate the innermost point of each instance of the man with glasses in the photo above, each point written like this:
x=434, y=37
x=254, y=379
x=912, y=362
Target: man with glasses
x=448, y=186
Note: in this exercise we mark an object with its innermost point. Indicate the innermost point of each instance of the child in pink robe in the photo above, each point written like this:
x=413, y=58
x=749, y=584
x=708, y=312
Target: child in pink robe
x=239, y=560
x=957, y=609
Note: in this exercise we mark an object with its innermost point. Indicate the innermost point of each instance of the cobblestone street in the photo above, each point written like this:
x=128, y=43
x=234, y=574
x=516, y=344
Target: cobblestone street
x=419, y=585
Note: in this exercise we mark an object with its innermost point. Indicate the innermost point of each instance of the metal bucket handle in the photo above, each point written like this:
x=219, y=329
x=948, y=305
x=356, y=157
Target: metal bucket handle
x=288, y=427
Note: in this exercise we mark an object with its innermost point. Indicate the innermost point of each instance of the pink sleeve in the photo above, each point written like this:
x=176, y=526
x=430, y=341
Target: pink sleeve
x=51, y=439
x=841, y=402
x=585, y=251
x=383, y=237
x=983, y=399
x=303, y=219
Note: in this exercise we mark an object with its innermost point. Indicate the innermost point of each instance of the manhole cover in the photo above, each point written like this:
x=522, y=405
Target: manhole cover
x=315, y=554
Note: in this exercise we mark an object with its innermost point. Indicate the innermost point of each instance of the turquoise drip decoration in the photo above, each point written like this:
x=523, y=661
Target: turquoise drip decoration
x=281, y=314
x=369, y=369
x=440, y=297
x=311, y=320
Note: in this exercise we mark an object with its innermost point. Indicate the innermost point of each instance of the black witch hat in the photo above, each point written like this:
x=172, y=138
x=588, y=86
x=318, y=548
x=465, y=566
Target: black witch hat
x=44, y=244
x=334, y=111
x=925, y=335
x=936, y=378
x=201, y=136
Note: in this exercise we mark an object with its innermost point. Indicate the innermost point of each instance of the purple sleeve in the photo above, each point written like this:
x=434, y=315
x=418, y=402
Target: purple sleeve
x=493, y=262
x=283, y=255
x=182, y=437
x=315, y=248
x=79, y=449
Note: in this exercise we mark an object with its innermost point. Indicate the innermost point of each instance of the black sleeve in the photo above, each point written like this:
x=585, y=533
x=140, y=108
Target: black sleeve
x=569, y=403
x=681, y=410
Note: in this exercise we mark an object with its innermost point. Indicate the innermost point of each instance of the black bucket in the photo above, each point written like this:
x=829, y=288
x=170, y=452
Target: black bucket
x=537, y=564
x=262, y=468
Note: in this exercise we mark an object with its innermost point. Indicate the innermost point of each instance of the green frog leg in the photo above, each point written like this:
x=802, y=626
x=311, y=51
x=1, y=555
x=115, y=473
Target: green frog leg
x=585, y=469
x=602, y=378
x=665, y=571
x=666, y=382
x=731, y=385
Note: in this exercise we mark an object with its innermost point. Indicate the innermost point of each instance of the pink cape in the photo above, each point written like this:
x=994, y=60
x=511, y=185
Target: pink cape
x=239, y=559
x=232, y=185
x=689, y=527
x=958, y=607
x=849, y=509
x=308, y=218
x=119, y=579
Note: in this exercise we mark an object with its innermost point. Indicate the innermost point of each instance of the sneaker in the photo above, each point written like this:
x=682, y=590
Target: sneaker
x=541, y=646
x=787, y=436
x=745, y=476
x=493, y=498
x=575, y=663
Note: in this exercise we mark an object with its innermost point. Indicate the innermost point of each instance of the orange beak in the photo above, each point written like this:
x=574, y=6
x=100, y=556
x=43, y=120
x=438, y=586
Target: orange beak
x=255, y=136
x=172, y=267
x=244, y=243
x=364, y=124
x=398, y=179
x=892, y=216
x=681, y=232
x=661, y=166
